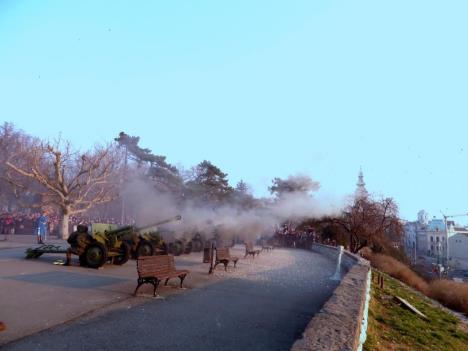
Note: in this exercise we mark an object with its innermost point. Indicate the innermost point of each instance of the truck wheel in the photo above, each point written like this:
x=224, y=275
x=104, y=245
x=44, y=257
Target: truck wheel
x=95, y=255
x=197, y=245
x=144, y=248
x=124, y=254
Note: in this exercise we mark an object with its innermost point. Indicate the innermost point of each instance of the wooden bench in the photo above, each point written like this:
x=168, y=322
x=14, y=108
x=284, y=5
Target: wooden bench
x=153, y=269
x=250, y=250
x=223, y=256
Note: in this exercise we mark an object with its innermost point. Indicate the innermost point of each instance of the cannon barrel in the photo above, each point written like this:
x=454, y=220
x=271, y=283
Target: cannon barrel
x=172, y=219
x=121, y=230
x=130, y=228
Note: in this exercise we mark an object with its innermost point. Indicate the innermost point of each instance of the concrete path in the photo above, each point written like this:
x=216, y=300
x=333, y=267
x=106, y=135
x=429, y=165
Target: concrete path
x=264, y=304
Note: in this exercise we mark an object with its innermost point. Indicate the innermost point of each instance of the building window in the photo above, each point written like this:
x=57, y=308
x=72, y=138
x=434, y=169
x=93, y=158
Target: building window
x=432, y=239
x=437, y=239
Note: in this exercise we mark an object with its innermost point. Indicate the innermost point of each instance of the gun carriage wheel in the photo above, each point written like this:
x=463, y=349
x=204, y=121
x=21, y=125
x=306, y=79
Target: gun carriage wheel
x=124, y=254
x=95, y=255
x=176, y=248
x=197, y=245
x=144, y=248
x=188, y=247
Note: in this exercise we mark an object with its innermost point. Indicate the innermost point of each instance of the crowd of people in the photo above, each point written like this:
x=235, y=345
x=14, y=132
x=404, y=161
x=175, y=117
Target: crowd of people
x=290, y=236
x=29, y=222
x=21, y=222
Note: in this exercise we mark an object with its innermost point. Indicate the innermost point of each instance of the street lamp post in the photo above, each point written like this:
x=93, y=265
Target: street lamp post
x=446, y=243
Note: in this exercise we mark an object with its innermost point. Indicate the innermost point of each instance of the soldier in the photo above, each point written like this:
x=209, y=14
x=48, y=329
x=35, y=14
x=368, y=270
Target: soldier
x=78, y=241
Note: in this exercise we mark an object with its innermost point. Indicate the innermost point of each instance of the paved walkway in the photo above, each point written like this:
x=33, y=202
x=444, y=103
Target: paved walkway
x=264, y=304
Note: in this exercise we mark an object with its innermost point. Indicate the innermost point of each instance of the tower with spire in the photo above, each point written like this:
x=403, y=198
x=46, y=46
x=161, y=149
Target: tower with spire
x=361, y=191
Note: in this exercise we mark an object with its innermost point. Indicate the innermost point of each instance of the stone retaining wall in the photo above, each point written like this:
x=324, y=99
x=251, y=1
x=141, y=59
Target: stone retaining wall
x=337, y=326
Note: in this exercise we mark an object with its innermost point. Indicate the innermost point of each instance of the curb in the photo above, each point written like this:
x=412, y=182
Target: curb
x=341, y=324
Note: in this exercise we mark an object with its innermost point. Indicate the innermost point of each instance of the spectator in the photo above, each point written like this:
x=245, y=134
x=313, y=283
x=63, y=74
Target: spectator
x=8, y=225
x=42, y=228
x=2, y=223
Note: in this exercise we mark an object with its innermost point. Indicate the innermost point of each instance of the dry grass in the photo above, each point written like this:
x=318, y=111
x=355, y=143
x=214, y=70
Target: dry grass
x=449, y=293
x=400, y=271
x=452, y=294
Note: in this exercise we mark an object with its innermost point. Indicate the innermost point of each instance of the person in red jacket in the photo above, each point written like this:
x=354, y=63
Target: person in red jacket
x=8, y=225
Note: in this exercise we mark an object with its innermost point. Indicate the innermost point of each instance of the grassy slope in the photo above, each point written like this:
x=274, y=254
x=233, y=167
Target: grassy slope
x=392, y=327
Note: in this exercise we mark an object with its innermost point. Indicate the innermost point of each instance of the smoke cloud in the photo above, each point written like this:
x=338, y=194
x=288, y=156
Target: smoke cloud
x=149, y=206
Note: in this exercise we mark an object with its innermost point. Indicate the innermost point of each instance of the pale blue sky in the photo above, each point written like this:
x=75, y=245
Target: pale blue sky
x=260, y=88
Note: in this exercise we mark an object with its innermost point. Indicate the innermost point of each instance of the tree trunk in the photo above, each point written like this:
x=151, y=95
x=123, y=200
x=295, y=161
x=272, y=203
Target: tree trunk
x=64, y=224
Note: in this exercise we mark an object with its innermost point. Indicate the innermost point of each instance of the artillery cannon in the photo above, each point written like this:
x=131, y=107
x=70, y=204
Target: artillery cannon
x=93, y=250
x=107, y=242
x=148, y=240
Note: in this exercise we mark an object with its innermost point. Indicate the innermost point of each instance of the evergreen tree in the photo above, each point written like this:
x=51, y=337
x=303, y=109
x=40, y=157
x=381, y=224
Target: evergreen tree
x=165, y=175
x=210, y=184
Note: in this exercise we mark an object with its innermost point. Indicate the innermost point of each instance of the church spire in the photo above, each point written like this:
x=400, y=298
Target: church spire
x=361, y=191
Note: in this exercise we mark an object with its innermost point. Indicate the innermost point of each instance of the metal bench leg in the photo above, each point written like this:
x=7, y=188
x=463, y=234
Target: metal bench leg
x=225, y=265
x=182, y=277
x=140, y=283
x=235, y=262
x=155, y=283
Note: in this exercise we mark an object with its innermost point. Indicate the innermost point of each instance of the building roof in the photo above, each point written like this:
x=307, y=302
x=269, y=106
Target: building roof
x=460, y=229
x=436, y=225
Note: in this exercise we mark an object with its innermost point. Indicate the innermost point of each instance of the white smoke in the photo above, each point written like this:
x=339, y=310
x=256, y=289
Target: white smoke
x=149, y=206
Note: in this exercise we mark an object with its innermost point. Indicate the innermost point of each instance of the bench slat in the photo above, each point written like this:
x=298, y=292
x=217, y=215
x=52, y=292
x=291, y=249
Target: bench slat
x=160, y=267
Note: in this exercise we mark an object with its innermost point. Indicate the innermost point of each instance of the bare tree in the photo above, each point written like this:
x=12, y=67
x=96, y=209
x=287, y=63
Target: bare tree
x=371, y=223
x=71, y=181
x=11, y=140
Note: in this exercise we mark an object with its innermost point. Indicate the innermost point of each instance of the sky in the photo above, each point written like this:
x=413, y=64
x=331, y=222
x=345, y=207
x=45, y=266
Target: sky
x=262, y=89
